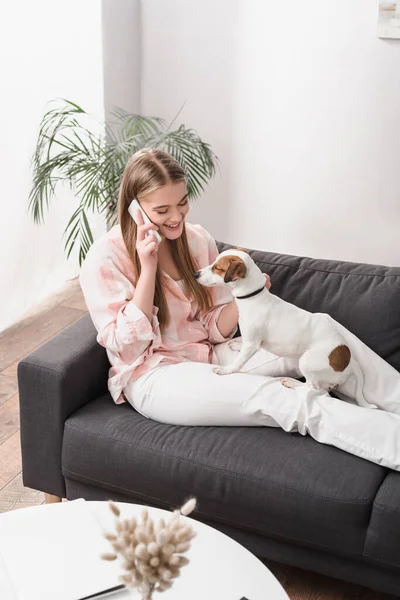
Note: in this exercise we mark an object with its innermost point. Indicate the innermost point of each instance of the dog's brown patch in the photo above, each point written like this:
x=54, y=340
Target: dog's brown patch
x=340, y=357
x=241, y=249
x=232, y=266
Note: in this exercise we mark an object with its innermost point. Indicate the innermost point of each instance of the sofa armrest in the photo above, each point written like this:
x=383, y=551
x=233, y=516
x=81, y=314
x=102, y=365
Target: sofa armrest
x=54, y=381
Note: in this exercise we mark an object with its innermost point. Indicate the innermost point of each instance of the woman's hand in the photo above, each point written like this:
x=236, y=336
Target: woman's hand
x=146, y=246
x=267, y=281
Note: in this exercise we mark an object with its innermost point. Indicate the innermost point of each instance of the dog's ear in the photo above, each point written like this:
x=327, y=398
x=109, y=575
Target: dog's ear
x=236, y=269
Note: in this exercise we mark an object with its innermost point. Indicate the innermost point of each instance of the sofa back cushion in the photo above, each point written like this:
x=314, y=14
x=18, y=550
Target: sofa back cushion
x=363, y=298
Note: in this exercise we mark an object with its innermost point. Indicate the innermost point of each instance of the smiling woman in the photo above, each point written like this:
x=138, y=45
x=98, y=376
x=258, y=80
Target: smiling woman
x=143, y=297
x=159, y=183
x=170, y=215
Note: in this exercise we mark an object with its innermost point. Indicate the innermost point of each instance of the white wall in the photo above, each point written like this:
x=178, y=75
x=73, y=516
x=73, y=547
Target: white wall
x=47, y=50
x=121, y=35
x=301, y=101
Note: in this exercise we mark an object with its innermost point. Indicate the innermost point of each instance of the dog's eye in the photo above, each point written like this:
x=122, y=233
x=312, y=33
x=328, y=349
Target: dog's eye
x=218, y=269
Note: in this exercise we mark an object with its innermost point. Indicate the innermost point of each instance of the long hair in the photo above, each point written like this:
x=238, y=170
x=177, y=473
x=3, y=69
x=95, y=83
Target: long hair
x=146, y=171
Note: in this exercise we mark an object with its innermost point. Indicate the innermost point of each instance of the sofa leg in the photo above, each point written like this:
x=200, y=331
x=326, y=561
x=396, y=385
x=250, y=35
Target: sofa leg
x=50, y=499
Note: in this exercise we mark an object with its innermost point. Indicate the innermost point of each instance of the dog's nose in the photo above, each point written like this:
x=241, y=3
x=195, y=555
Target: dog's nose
x=196, y=274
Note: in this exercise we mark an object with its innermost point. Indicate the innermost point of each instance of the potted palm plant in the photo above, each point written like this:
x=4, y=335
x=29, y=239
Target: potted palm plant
x=76, y=149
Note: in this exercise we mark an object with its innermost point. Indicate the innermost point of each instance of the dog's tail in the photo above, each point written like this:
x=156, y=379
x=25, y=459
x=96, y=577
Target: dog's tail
x=360, y=380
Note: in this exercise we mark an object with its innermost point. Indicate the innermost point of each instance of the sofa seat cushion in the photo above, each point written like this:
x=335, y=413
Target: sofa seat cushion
x=255, y=478
x=382, y=544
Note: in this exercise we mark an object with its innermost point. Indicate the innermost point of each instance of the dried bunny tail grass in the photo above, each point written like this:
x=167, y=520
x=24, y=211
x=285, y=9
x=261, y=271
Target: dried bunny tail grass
x=188, y=507
x=130, y=554
x=155, y=561
x=130, y=566
x=126, y=525
x=108, y=556
x=150, y=527
x=164, y=586
x=117, y=546
x=153, y=548
x=142, y=552
x=178, y=561
x=162, y=537
x=141, y=535
x=181, y=548
x=182, y=535
x=168, y=550
x=114, y=508
x=174, y=525
x=151, y=551
x=146, y=589
x=161, y=524
x=145, y=515
x=144, y=569
x=126, y=579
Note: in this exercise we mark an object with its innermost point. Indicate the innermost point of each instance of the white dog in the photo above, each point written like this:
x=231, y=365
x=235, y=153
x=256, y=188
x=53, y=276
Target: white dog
x=269, y=322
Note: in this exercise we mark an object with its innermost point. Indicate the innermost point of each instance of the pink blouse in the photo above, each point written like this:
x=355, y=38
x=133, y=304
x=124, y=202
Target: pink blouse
x=133, y=344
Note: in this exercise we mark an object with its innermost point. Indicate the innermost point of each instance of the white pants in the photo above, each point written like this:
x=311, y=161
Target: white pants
x=189, y=393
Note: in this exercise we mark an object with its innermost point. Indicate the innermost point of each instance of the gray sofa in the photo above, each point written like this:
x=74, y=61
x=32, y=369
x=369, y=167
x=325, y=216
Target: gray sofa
x=284, y=496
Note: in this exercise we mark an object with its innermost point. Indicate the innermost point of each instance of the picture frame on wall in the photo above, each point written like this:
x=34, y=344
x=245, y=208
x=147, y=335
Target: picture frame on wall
x=389, y=19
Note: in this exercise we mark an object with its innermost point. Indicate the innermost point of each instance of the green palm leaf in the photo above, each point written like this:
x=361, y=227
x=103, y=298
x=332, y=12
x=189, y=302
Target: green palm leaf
x=90, y=156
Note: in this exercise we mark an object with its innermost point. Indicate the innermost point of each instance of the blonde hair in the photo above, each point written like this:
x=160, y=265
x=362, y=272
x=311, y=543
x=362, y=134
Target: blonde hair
x=146, y=171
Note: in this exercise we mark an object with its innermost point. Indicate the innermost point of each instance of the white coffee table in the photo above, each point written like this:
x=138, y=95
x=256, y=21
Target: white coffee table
x=219, y=568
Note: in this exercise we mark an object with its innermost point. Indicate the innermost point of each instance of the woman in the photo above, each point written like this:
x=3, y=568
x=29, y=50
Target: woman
x=164, y=332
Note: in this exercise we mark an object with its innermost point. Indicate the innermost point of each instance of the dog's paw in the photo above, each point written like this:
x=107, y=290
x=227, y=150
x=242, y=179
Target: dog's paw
x=222, y=370
x=290, y=383
x=234, y=345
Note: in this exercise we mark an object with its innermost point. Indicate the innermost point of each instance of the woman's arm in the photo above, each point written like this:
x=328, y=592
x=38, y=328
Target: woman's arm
x=124, y=328
x=144, y=292
x=228, y=319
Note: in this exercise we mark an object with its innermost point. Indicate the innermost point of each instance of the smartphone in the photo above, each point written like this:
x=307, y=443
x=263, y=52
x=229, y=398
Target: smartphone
x=132, y=209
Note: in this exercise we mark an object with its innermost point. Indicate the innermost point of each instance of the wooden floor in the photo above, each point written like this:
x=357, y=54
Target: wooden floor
x=40, y=324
